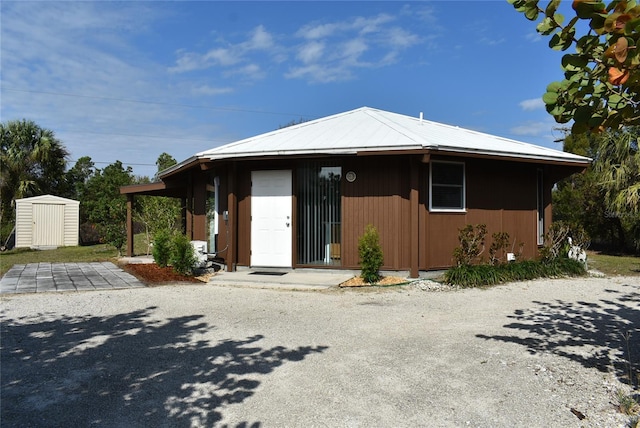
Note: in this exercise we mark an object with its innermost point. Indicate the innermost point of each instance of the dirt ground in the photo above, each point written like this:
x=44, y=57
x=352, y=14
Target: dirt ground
x=536, y=354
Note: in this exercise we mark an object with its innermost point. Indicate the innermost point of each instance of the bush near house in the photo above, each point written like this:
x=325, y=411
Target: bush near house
x=175, y=250
x=183, y=258
x=371, y=257
x=553, y=263
x=162, y=247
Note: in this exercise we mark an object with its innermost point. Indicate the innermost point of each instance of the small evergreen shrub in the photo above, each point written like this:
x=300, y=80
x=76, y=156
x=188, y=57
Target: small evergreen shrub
x=183, y=258
x=162, y=247
x=371, y=257
x=471, y=244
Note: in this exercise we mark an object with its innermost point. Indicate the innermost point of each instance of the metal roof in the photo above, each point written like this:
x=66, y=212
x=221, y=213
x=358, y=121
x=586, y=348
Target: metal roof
x=371, y=130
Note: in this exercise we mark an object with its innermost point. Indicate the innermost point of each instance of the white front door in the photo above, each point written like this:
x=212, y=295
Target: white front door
x=271, y=215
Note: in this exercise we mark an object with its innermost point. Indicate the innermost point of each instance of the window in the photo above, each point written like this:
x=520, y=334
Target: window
x=319, y=198
x=447, y=192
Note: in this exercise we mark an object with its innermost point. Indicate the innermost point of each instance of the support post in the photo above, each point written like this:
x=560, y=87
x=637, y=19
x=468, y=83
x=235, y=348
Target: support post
x=129, y=225
x=415, y=215
x=232, y=205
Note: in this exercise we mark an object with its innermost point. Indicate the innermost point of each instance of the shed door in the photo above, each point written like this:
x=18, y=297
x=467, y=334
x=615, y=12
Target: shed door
x=271, y=210
x=48, y=225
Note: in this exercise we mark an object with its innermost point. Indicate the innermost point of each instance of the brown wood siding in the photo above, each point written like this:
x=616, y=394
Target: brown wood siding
x=199, y=231
x=379, y=196
x=244, y=215
x=501, y=195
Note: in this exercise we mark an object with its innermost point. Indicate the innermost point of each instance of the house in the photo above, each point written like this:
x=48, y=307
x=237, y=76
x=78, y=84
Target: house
x=301, y=196
x=47, y=221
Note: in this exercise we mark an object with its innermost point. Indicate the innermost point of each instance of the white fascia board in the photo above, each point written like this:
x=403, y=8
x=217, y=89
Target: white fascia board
x=497, y=154
x=177, y=166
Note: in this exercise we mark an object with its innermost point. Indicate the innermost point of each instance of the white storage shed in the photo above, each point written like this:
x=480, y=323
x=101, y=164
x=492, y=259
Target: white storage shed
x=47, y=221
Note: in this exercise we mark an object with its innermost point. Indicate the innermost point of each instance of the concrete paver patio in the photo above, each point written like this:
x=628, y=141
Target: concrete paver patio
x=47, y=277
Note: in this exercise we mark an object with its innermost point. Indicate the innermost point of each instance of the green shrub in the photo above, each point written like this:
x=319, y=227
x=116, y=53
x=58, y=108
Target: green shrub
x=471, y=244
x=499, y=248
x=162, y=247
x=183, y=257
x=483, y=275
x=370, y=252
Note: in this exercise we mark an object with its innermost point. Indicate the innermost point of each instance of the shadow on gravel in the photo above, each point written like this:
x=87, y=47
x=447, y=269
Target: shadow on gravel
x=127, y=370
x=597, y=335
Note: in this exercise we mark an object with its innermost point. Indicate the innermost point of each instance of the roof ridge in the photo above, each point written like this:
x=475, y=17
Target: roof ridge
x=280, y=130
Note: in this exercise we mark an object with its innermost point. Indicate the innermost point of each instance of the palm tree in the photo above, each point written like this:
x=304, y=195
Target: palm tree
x=618, y=167
x=32, y=162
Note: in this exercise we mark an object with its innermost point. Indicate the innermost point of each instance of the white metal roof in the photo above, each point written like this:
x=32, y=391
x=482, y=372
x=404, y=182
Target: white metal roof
x=47, y=199
x=369, y=130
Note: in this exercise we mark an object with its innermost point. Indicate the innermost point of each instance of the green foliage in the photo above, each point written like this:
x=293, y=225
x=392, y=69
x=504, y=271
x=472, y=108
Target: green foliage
x=156, y=213
x=628, y=404
x=602, y=76
x=103, y=204
x=483, y=275
x=162, y=247
x=499, y=248
x=76, y=179
x=617, y=169
x=183, y=257
x=370, y=252
x=114, y=234
x=32, y=163
x=471, y=244
x=556, y=244
x=165, y=160
x=602, y=198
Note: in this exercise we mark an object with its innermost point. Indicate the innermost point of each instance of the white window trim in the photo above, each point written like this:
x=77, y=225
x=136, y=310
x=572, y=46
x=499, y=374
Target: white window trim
x=464, y=189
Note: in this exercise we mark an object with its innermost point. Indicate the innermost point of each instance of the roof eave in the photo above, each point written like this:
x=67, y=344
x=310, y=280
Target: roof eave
x=187, y=163
x=578, y=161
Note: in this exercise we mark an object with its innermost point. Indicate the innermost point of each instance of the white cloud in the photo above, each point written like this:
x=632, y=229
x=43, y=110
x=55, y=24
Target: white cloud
x=231, y=55
x=533, y=37
x=351, y=50
x=260, y=39
x=321, y=73
x=311, y=52
x=210, y=90
x=532, y=128
x=73, y=67
x=371, y=25
x=313, y=32
x=251, y=71
x=400, y=39
x=531, y=104
x=333, y=50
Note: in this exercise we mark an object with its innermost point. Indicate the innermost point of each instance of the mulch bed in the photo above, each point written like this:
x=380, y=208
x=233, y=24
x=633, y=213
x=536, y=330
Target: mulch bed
x=152, y=274
x=357, y=281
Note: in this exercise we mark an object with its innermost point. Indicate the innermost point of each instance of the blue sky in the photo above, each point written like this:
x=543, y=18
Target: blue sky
x=129, y=80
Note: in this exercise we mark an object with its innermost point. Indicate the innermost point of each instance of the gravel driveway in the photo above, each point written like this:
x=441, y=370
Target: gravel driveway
x=522, y=354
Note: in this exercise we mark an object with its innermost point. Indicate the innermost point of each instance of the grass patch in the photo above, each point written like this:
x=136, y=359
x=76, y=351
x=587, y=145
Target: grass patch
x=484, y=275
x=614, y=264
x=89, y=253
